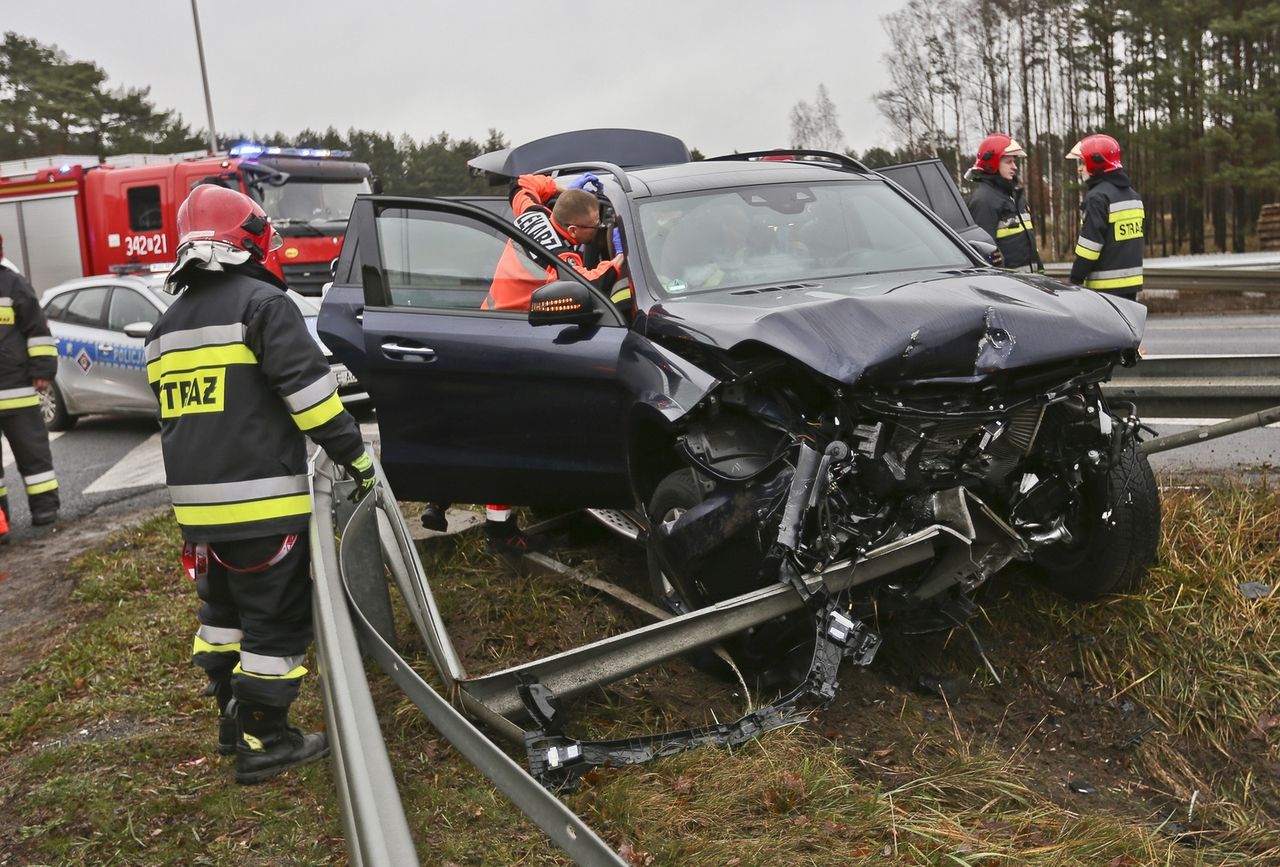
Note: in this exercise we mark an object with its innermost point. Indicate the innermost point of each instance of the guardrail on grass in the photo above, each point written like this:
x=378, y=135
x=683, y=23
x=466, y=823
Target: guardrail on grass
x=377, y=832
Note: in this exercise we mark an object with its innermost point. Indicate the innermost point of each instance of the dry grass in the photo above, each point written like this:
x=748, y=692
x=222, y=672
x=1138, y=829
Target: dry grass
x=1204, y=660
x=106, y=749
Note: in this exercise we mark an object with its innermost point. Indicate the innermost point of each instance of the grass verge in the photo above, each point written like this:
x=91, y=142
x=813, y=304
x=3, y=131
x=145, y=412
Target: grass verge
x=106, y=750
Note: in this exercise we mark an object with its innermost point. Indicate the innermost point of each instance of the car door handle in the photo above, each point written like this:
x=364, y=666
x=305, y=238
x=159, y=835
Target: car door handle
x=394, y=350
x=106, y=348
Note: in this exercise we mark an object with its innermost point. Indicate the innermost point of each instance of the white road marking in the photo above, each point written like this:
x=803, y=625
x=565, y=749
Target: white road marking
x=142, y=467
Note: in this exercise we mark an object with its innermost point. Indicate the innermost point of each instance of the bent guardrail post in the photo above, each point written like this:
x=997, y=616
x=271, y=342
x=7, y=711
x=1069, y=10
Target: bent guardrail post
x=1213, y=431
x=364, y=571
x=562, y=825
x=377, y=832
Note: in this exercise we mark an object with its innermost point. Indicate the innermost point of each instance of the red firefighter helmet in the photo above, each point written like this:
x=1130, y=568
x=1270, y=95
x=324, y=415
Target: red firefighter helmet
x=219, y=215
x=1100, y=153
x=994, y=147
x=217, y=227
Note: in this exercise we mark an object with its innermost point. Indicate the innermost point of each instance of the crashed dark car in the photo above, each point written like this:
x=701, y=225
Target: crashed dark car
x=817, y=366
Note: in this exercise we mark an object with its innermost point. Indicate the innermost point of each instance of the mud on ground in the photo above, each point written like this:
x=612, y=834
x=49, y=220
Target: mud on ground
x=36, y=580
x=1079, y=742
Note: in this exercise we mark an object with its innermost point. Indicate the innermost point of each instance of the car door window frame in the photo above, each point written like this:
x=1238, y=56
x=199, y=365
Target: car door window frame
x=146, y=302
x=101, y=322
x=374, y=276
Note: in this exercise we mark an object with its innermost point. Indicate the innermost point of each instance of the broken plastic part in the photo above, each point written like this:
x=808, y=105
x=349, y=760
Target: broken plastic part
x=560, y=762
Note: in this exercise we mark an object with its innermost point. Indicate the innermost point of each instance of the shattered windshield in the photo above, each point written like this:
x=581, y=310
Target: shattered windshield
x=304, y=201
x=747, y=236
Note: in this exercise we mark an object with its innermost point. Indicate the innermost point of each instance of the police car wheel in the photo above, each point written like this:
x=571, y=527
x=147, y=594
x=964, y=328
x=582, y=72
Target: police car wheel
x=53, y=409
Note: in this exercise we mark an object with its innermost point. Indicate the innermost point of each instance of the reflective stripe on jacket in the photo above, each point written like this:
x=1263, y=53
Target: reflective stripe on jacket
x=27, y=350
x=1109, y=250
x=241, y=384
x=1002, y=210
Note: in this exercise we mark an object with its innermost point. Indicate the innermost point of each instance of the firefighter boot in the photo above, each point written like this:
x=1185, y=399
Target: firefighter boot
x=434, y=518
x=269, y=745
x=44, y=508
x=228, y=734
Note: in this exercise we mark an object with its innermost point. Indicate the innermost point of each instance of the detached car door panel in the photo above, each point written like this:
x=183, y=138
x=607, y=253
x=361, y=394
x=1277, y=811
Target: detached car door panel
x=478, y=405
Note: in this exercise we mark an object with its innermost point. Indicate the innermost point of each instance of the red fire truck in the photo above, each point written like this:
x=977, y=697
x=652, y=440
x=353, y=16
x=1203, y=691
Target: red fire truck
x=72, y=216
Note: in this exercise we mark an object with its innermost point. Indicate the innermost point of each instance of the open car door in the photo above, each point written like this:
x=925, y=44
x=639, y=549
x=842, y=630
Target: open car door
x=930, y=182
x=477, y=405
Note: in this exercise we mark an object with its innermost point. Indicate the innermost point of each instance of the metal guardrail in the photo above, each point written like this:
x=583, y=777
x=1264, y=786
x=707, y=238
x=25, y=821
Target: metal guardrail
x=1198, y=386
x=377, y=832
x=1198, y=279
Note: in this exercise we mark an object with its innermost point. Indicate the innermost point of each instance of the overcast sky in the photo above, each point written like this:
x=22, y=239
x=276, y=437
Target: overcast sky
x=720, y=74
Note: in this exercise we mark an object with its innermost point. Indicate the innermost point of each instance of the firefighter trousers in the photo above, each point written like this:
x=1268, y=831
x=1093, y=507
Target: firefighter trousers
x=255, y=616
x=29, y=439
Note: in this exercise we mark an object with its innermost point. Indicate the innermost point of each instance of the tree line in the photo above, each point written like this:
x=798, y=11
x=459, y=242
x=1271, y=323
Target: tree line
x=1191, y=89
x=51, y=104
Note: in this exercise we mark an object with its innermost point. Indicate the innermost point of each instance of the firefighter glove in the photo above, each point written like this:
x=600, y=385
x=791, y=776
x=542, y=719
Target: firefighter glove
x=617, y=240
x=588, y=182
x=361, y=470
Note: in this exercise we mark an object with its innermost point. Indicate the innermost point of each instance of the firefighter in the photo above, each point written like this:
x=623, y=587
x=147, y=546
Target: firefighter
x=241, y=385
x=28, y=363
x=1109, y=249
x=569, y=230
x=999, y=205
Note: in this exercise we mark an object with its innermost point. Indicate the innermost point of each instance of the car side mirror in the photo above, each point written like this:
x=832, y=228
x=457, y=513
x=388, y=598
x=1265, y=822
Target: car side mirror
x=990, y=253
x=137, y=329
x=563, y=303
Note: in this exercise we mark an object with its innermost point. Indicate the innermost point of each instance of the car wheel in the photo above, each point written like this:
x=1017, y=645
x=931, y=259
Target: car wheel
x=53, y=409
x=675, y=494
x=773, y=655
x=1109, y=553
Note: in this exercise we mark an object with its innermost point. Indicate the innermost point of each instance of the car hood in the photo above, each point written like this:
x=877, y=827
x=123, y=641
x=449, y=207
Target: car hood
x=909, y=326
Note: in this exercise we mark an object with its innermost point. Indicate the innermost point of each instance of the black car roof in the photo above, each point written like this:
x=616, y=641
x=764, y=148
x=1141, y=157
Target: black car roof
x=717, y=174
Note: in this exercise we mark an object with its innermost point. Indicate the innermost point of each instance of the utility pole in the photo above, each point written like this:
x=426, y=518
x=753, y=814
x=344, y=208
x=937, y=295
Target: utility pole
x=204, y=77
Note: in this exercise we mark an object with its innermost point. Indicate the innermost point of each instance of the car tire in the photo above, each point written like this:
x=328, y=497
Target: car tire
x=675, y=494
x=1109, y=554
x=771, y=656
x=53, y=409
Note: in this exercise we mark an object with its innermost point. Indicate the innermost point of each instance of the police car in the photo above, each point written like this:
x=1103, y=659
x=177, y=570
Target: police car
x=101, y=324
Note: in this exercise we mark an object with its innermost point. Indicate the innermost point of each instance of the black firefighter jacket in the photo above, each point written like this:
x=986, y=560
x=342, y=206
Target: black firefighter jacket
x=1001, y=208
x=1109, y=249
x=241, y=385
x=27, y=351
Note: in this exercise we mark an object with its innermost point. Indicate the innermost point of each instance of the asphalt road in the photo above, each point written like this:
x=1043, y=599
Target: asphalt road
x=1245, y=334
x=106, y=467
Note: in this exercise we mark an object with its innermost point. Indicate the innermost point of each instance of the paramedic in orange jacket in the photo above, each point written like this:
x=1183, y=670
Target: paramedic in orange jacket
x=565, y=230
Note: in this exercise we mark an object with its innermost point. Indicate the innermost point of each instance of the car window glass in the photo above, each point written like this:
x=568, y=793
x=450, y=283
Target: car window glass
x=86, y=307
x=57, y=307
x=127, y=307
x=443, y=261
x=789, y=233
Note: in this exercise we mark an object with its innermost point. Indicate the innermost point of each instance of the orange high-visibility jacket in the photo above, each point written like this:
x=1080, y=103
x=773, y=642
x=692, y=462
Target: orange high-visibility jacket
x=517, y=275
